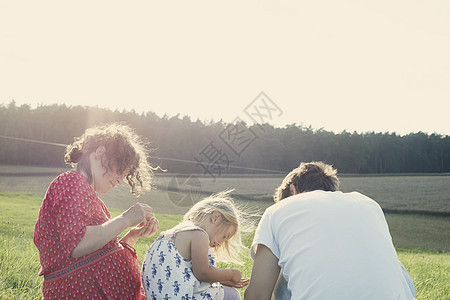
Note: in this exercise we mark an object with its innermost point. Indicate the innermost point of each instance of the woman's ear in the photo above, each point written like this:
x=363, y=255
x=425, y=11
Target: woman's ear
x=101, y=150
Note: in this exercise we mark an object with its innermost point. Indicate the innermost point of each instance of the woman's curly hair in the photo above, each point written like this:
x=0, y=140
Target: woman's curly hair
x=125, y=152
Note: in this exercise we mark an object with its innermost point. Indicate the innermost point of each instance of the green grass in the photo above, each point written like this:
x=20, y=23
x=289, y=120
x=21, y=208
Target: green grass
x=19, y=259
x=430, y=271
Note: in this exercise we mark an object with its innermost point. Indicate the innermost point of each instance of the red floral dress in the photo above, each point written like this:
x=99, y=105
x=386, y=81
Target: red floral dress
x=112, y=272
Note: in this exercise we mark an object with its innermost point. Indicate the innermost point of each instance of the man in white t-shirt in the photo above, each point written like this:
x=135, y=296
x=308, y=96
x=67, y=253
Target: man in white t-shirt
x=327, y=244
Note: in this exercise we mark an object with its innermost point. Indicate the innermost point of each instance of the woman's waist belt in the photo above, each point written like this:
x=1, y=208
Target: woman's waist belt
x=88, y=260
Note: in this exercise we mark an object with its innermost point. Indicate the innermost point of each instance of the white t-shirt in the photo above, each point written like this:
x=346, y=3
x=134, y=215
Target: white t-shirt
x=333, y=245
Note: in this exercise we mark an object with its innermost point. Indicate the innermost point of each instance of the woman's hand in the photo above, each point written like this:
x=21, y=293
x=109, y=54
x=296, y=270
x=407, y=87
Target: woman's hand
x=97, y=236
x=145, y=229
x=137, y=214
x=243, y=282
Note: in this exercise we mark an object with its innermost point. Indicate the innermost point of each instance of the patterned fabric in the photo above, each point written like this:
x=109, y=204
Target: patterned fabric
x=70, y=205
x=167, y=275
x=89, y=259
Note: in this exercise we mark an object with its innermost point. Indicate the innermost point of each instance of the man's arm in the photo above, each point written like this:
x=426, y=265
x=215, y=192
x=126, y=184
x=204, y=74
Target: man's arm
x=264, y=275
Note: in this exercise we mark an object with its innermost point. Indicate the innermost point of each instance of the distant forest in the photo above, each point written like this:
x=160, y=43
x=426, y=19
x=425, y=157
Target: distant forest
x=181, y=145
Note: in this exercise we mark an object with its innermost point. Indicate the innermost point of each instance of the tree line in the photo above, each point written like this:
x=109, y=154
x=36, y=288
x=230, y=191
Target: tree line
x=33, y=136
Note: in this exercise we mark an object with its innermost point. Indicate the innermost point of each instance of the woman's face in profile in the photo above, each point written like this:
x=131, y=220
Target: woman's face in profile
x=104, y=179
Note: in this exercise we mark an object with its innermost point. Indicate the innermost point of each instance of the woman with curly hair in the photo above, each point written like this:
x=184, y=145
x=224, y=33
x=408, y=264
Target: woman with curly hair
x=80, y=254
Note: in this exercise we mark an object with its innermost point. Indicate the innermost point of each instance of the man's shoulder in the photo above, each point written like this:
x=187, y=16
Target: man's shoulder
x=315, y=198
x=304, y=198
x=320, y=194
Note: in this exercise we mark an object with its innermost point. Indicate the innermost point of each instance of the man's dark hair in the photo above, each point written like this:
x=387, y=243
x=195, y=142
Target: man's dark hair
x=307, y=177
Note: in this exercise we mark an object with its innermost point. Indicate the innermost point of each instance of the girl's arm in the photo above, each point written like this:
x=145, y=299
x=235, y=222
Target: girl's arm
x=98, y=236
x=200, y=262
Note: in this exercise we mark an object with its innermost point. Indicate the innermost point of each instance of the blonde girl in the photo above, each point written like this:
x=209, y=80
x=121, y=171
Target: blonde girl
x=180, y=264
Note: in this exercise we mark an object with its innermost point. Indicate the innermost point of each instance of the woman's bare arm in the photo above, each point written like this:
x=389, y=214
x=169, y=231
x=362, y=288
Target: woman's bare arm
x=97, y=236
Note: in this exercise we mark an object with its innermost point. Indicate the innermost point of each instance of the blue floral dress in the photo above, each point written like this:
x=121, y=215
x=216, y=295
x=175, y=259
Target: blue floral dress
x=166, y=275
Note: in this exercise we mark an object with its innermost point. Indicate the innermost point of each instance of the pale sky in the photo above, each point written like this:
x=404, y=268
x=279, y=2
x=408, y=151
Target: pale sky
x=380, y=66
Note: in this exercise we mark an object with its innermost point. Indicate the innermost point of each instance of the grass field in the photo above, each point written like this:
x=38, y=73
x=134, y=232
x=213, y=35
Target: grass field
x=19, y=261
x=422, y=241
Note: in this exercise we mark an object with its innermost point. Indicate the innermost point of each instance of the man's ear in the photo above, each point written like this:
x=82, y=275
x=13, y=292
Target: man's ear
x=215, y=216
x=293, y=189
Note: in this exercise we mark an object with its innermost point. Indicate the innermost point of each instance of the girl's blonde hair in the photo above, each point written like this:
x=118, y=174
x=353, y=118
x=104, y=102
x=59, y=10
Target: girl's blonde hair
x=125, y=152
x=231, y=250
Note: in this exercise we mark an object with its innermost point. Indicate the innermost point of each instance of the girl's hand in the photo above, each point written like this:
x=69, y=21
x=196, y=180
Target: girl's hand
x=235, y=276
x=145, y=229
x=243, y=282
